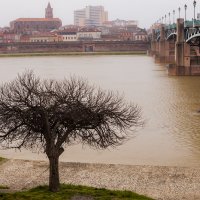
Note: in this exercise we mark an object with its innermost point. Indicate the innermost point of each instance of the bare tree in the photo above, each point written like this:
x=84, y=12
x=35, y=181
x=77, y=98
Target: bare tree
x=49, y=114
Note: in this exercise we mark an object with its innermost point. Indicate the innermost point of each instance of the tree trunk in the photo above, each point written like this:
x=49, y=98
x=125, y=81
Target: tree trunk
x=54, y=181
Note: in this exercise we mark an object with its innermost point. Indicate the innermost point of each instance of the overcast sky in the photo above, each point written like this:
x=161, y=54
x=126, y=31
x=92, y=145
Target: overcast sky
x=145, y=11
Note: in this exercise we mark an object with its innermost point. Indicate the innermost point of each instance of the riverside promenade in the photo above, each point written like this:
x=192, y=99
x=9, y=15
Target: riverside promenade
x=160, y=183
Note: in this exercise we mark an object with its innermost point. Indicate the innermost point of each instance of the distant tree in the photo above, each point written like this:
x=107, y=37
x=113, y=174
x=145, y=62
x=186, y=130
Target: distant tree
x=49, y=114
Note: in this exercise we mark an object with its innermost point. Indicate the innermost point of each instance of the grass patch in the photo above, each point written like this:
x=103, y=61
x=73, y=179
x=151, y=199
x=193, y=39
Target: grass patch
x=67, y=192
x=3, y=187
x=2, y=159
x=73, y=53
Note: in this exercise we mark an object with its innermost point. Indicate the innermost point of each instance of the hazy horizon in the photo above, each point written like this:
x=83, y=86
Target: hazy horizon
x=145, y=12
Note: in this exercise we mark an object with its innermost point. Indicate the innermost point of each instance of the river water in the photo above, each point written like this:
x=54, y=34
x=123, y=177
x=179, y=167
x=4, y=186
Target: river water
x=171, y=135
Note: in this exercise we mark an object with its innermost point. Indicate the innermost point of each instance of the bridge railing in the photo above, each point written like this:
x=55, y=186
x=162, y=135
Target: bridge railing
x=188, y=23
x=197, y=23
x=193, y=23
x=171, y=26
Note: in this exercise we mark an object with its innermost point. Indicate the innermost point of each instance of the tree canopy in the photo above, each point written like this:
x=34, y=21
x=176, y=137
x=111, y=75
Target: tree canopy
x=49, y=114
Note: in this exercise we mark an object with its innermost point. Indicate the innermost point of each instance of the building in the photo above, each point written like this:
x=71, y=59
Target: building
x=126, y=36
x=49, y=11
x=68, y=36
x=1, y=37
x=44, y=37
x=89, y=34
x=141, y=35
x=111, y=37
x=68, y=33
x=10, y=37
x=25, y=38
x=69, y=28
x=79, y=17
x=29, y=25
x=121, y=23
x=90, y=16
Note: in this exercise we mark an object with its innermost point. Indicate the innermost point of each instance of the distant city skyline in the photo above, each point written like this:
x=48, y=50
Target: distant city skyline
x=145, y=12
x=90, y=16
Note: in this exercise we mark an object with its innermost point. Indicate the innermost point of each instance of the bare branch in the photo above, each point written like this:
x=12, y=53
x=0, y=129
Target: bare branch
x=49, y=114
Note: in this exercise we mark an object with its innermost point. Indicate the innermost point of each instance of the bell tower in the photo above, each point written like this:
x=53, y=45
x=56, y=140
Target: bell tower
x=49, y=11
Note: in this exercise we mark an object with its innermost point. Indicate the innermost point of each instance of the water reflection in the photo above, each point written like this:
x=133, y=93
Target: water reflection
x=172, y=132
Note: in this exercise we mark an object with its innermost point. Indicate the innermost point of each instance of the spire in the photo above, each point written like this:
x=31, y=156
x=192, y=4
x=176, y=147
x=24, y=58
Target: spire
x=49, y=5
x=49, y=11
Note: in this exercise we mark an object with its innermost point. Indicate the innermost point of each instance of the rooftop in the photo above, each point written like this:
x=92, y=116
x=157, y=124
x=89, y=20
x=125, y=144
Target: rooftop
x=89, y=29
x=36, y=19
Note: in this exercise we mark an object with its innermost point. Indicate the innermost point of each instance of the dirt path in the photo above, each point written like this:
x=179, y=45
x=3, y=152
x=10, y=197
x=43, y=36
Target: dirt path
x=167, y=183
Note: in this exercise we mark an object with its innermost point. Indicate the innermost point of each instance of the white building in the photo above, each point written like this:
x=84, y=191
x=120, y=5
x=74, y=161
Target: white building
x=89, y=34
x=141, y=35
x=121, y=23
x=44, y=37
x=90, y=16
x=68, y=36
x=79, y=17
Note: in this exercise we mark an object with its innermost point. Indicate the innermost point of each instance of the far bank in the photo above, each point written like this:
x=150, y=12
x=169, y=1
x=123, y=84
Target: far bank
x=73, y=53
x=74, y=48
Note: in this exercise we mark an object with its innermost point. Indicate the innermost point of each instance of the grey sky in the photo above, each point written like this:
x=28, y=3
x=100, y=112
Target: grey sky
x=145, y=11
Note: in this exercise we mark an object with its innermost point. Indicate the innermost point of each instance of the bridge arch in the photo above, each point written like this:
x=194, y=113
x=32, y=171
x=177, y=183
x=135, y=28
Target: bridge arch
x=158, y=38
x=193, y=36
x=171, y=36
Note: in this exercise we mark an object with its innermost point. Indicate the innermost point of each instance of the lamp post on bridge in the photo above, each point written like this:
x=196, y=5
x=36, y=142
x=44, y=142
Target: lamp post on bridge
x=173, y=16
x=169, y=19
x=162, y=20
x=185, y=12
x=194, y=4
x=179, y=12
x=165, y=19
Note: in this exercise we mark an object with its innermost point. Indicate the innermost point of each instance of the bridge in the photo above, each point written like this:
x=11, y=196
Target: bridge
x=177, y=45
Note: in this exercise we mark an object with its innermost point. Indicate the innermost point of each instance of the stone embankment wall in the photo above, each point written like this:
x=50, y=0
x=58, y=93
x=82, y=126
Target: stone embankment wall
x=98, y=46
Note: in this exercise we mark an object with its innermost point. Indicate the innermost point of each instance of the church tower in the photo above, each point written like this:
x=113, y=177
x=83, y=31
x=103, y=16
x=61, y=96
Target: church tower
x=49, y=11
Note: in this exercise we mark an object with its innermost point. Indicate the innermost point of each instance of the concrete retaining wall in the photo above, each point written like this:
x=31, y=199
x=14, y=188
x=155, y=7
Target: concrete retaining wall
x=98, y=46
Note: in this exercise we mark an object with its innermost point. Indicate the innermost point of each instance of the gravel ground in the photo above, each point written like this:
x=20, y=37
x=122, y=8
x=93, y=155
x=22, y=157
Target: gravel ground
x=163, y=183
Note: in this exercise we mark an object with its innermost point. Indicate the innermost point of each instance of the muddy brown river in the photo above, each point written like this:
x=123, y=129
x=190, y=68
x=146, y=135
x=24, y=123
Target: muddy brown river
x=171, y=135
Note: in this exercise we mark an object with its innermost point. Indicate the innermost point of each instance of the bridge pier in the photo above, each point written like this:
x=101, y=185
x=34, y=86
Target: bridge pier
x=179, y=48
x=182, y=53
x=162, y=50
x=167, y=52
x=187, y=63
x=154, y=45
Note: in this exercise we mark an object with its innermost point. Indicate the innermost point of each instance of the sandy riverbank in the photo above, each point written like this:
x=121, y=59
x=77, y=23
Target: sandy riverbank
x=156, y=182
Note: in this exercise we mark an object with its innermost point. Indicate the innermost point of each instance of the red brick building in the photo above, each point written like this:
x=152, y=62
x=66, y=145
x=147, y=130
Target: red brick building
x=126, y=36
x=29, y=25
